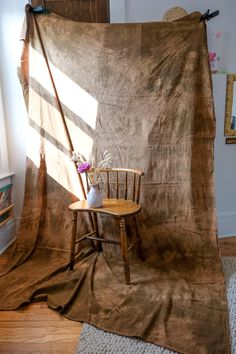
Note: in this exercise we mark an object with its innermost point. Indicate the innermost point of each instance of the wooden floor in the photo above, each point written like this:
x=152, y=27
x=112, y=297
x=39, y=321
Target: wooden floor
x=227, y=246
x=36, y=329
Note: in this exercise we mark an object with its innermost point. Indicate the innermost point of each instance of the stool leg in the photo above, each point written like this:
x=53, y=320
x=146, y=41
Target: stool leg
x=124, y=249
x=139, y=242
x=95, y=223
x=73, y=239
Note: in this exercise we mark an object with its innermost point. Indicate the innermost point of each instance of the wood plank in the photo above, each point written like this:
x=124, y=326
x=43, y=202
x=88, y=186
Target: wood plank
x=38, y=334
x=35, y=323
x=227, y=246
x=39, y=348
x=31, y=315
x=3, y=211
x=5, y=221
x=42, y=337
x=38, y=311
x=36, y=328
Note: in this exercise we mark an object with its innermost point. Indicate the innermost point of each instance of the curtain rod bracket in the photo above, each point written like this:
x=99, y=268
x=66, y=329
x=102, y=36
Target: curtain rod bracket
x=207, y=16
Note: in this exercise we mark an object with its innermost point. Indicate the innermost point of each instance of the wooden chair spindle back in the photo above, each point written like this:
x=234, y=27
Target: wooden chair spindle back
x=120, y=183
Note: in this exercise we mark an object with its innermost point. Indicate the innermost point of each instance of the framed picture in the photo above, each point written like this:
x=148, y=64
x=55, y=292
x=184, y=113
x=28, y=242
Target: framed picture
x=230, y=107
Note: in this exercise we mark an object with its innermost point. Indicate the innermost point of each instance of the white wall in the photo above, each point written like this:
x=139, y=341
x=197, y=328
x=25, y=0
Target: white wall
x=11, y=15
x=4, y=163
x=225, y=166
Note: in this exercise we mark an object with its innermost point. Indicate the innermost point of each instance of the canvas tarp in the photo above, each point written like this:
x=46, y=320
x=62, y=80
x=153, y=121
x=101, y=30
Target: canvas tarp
x=142, y=92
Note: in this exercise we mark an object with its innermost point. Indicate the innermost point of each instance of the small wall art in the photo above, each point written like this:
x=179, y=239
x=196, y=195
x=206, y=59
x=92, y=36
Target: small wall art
x=218, y=45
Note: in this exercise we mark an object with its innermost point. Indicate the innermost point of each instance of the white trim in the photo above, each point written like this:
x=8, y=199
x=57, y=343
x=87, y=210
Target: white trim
x=227, y=235
x=227, y=224
x=6, y=175
x=4, y=164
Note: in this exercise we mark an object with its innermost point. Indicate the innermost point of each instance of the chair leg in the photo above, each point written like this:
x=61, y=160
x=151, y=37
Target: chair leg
x=73, y=239
x=95, y=223
x=124, y=249
x=139, y=241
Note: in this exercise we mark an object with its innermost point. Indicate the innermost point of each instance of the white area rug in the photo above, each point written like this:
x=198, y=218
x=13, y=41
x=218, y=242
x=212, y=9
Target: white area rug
x=96, y=341
x=229, y=267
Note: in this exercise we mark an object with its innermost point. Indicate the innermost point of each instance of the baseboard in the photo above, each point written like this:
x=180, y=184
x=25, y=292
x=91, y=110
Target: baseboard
x=227, y=224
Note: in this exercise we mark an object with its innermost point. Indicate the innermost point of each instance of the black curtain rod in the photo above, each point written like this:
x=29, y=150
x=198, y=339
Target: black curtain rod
x=207, y=16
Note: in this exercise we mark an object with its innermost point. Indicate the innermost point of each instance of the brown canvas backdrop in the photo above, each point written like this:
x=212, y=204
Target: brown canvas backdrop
x=147, y=94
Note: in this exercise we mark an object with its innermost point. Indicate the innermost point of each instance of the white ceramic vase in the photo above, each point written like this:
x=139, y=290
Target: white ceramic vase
x=95, y=196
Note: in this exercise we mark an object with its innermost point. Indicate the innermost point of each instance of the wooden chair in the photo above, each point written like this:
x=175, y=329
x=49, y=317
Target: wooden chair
x=122, y=200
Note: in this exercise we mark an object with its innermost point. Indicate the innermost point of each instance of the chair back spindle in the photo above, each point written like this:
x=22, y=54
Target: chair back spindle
x=126, y=185
x=138, y=189
x=108, y=184
x=134, y=186
x=117, y=185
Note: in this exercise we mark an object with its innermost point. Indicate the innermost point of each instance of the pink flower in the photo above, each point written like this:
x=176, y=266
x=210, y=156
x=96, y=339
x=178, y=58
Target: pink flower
x=83, y=167
x=212, y=56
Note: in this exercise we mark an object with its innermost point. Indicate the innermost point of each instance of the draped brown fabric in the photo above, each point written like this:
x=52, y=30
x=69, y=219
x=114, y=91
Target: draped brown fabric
x=142, y=92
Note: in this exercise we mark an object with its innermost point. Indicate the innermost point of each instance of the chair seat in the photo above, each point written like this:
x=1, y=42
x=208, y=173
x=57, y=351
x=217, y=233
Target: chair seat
x=115, y=207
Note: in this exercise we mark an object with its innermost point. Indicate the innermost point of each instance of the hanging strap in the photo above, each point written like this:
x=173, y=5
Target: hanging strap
x=57, y=99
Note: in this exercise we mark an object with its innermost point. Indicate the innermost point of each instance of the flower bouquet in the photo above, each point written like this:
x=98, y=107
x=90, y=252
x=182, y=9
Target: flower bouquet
x=95, y=195
x=88, y=166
